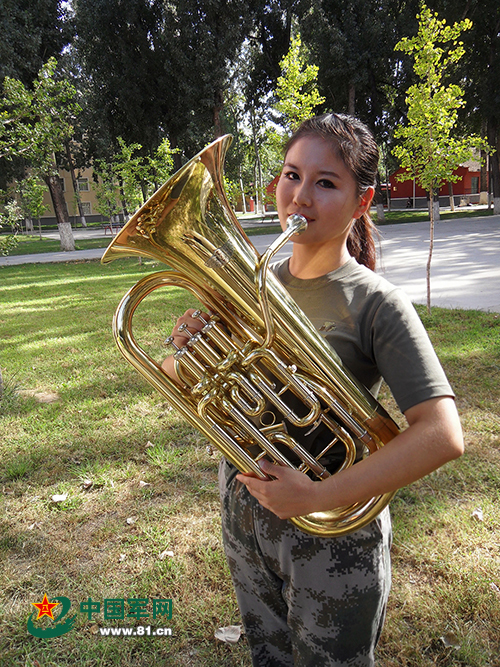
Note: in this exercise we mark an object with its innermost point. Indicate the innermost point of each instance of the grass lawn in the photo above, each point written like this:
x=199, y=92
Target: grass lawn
x=28, y=245
x=135, y=514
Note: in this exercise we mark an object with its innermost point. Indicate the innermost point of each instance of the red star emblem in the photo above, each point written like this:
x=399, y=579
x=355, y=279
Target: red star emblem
x=45, y=607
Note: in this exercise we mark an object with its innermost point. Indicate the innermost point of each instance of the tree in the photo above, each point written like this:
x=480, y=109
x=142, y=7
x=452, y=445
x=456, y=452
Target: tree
x=106, y=189
x=31, y=191
x=428, y=150
x=479, y=75
x=34, y=124
x=130, y=177
x=296, y=97
x=296, y=88
x=11, y=216
x=31, y=31
x=159, y=69
x=267, y=43
x=352, y=42
x=124, y=72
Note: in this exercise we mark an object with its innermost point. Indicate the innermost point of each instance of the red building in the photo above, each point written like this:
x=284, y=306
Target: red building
x=468, y=183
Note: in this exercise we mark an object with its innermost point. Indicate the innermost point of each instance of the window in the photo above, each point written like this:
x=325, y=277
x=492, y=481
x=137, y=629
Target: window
x=86, y=209
x=474, y=185
x=62, y=183
x=83, y=184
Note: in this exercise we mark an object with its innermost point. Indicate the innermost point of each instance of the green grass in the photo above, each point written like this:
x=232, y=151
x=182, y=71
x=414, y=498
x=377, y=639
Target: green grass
x=28, y=245
x=76, y=419
x=400, y=216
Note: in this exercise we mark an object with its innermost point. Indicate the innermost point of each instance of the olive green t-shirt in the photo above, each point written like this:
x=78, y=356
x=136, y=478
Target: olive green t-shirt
x=374, y=329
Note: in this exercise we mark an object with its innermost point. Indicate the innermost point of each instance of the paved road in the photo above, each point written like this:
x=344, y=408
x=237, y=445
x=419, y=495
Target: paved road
x=465, y=266
x=465, y=269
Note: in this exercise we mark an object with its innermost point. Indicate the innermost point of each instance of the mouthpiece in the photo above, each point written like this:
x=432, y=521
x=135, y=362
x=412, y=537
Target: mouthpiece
x=296, y=224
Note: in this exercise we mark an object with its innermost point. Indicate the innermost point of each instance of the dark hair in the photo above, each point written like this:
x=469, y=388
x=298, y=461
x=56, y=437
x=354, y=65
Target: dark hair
x=358, y=150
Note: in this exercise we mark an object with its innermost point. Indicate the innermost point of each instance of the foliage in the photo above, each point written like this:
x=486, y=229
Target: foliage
x=31, y=192
x=479, y=73
x=232, y=190
x=159, y=69
x=162, y=163
x=263, y=50
x=31, y=33
x=34, y=123
x=106, y=189
x=10, y=217
x=296, y=89
x=130, y=170
x=429, y=152
x=131, y=176
x=352, y=42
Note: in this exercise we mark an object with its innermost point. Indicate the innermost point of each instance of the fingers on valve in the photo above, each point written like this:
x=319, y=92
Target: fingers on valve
x=192, y=321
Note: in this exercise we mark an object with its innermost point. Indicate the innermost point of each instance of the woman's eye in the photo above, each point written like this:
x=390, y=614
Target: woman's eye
x=291, y=175
x=325, y=183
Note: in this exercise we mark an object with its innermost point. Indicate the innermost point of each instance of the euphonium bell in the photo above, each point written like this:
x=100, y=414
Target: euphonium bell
x=258, y=380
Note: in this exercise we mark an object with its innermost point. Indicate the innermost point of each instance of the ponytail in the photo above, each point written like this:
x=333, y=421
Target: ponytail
x=361, y=242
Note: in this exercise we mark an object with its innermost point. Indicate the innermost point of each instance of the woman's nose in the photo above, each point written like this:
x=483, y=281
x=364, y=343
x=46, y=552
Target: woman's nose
x=302, y=194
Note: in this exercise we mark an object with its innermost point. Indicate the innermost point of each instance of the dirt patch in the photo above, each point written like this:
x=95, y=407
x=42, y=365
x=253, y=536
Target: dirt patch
x=40, y=395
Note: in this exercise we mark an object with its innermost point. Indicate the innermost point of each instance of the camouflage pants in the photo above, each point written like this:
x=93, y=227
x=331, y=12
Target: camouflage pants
x=304, y=600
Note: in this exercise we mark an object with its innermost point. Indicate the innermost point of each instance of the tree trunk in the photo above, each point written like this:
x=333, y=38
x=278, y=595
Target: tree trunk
x=61, y=210
x=258, y=169
x=495, y=182
x=124, y=203
x=387, y=180
x=433, y=203
x=144, y=192
x=74, y=180
x=494, y=140
x=429, y=259
x=378, y=200
x=243, y=201
x=66, y=234
x=483, y=179
x=452, y=199
x=218, y=105
x=351, y=108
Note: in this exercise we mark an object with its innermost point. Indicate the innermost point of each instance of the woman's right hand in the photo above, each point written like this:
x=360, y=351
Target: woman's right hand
x=186, y=324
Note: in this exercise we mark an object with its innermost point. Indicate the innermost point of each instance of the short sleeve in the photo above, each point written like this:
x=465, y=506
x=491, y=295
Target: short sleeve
x=404, y=354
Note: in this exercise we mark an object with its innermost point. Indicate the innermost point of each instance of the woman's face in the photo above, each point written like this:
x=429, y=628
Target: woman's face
x=316, y=184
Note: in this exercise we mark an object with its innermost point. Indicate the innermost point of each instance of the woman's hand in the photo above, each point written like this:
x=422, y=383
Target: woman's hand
x=186, y=324
x=290, y=493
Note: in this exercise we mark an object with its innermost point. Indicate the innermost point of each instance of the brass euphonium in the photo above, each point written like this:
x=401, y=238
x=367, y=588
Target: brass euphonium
x=258, y=376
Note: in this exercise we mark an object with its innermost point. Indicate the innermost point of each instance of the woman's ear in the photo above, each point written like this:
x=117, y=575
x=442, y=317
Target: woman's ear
x=365, y=202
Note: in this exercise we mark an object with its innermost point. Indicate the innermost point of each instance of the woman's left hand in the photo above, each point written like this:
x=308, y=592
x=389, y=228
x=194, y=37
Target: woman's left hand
x=290, y=493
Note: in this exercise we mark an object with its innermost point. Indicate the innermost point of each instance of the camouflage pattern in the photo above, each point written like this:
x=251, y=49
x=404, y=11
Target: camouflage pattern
x=304, y=600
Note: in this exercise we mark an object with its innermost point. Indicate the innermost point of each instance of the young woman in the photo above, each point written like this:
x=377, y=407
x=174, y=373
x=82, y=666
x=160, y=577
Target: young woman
x=308, y=600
